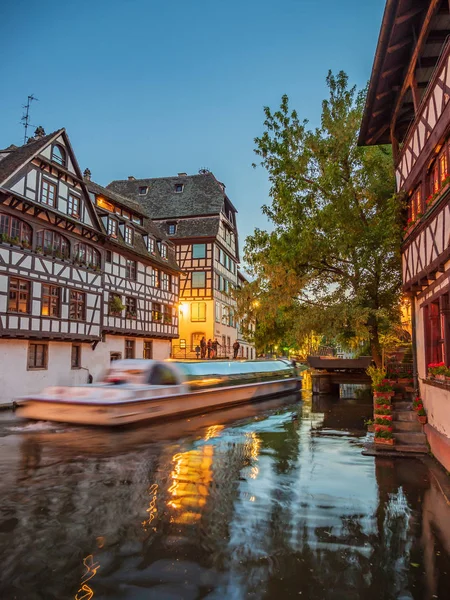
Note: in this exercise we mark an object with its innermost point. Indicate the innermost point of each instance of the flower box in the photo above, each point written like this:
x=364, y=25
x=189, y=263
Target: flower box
x=386, y=395
x=385, y=441
x=422, y=420
x=382, y=406
x=383, y=427
x=440, y=377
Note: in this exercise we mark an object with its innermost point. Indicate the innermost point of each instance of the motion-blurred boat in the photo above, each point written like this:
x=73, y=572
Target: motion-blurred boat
x=139, y=390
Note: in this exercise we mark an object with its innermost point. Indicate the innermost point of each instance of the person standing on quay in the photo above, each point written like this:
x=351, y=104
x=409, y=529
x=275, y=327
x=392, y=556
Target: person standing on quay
x=209, y=348
x=215, y=345
x=236, y=347
x=203, y=348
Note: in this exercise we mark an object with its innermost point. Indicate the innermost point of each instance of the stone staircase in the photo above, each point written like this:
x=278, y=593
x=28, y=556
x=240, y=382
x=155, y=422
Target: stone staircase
x=408, y=432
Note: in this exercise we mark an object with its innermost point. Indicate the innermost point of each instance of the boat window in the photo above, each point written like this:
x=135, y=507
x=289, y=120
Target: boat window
x=161, y=375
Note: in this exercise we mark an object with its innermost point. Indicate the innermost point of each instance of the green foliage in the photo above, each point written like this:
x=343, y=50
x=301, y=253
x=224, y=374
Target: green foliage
x=385, y=434
x=331, y=265
x=376, y=374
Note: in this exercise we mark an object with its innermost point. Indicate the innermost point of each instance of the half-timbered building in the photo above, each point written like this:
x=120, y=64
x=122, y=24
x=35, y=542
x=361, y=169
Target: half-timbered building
x=408, y=106
x=60, y=265
x=198, y=217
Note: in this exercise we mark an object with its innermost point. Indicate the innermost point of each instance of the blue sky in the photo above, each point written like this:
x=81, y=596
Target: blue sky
x=151, y=88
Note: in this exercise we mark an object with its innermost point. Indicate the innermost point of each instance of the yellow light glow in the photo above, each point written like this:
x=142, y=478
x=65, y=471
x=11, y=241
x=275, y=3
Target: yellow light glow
x=255, y=303
x=184, y=308
x=213, y=432
x=105, y=204
x=85, y=592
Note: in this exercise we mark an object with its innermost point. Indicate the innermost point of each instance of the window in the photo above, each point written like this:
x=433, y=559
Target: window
x=221, y=256
x=443, y=173
x=218, y=313
x=136, y=219
x=167, y=316
x=148, y=350
x=108, y=256
x=51, y=301
x=163, y=250
x=178, y=188
x=198, y=312
x=73, y=206
x=225, y=314
x=156, y=312
x=76, y=356
x=115, y=356
x=198, y=279
x=102, y=203
x=14, y=231
x=198, y=250
x=77, y=306
x=151, y=245
x=48, y=193
x=59, y=155
x=143, y=190
x=130, y=349
x=129, y=235
x=165, y=282
x=112, y=227
x=87, y=255
x=126, y=215
x=437, y=330
x=130, y=270
x=115, y=306
x=415, y=204
x=37, y=356
x=171, y=228
x=19, y=295
x=174, y=283
x=52, y=244
x=130, y=307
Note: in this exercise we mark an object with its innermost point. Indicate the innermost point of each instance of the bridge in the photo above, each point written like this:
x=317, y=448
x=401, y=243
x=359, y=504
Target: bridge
x=328, y=372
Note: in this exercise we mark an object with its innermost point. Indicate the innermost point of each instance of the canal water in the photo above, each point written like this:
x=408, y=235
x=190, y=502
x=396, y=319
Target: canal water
x=270, y=501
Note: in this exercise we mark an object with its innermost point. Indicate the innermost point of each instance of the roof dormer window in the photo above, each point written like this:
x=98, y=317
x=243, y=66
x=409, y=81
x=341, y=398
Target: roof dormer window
x=151, y=245
x=162, y=250
x=59, y=155
x=129, y=235
x=143, y=189
x=171, y=228
x=179, y=188
x=112, y=227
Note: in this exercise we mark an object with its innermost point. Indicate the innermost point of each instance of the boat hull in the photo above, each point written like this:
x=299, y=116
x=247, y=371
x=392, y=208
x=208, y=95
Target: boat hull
x=157, y=407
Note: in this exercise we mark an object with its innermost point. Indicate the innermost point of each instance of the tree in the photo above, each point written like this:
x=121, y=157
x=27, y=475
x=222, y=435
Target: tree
x=332, y=261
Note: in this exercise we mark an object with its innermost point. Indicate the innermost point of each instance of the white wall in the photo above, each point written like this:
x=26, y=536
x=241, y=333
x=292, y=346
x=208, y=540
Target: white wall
x=16, y=380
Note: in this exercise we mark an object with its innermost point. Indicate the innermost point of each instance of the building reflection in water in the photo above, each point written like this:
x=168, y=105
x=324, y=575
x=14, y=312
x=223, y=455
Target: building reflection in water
x=281, y=505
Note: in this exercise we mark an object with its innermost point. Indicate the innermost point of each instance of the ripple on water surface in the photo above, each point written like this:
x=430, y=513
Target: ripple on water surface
x=267, y=501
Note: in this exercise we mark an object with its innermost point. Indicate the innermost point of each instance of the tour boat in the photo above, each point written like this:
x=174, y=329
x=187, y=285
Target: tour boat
x=138, y=390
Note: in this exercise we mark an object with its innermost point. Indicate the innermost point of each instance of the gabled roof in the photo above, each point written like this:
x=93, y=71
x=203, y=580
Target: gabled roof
x=149, y=226
x=20, y=155
x=202, y=195
x=403, y=24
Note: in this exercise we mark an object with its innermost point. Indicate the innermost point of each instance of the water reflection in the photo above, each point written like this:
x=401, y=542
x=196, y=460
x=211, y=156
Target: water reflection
x=264, y=502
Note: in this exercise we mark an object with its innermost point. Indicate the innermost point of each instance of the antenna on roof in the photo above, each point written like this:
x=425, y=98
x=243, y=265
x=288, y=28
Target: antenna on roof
x=26, y=116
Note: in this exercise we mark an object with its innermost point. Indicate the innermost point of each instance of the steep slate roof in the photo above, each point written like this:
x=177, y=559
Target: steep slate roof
x=201, y=195
x=195, y=227
x=139, y=246
x=19, y=155
x=117, y=198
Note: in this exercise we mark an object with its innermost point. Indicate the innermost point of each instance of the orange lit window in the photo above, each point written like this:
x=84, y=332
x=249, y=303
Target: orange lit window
x=434, y=178
x=443, y=165
x=416, y=204
x=105, y=204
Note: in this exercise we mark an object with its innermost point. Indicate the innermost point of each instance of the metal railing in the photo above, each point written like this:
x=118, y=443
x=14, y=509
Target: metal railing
x=193, y=352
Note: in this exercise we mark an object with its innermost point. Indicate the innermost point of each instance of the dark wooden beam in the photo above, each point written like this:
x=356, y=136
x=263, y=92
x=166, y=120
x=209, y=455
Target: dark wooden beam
x=399, y=45
x=409, y=14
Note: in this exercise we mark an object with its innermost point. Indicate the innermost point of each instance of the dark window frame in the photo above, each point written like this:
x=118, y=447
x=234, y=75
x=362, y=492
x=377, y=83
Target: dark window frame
x=75, y=356
x=49, y=184
x=51, y=299
x=59, y=160
x=32, y=354
x=8, y=227
x=130, y=348
x=130, y=269
x=77, y=305
x=19, y=291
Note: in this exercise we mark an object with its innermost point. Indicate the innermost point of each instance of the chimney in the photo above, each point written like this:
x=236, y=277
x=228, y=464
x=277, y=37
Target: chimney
x=39, y=133
x=131, y=178
x=87, y=174
x=182, y=174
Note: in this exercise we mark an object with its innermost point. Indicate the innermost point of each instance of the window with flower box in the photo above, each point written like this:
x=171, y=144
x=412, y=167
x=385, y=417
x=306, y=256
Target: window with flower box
x=436, y=316
x=130, y=307
x=52, y=244
x=438, y=174
x=14, y=231
x=156, y=312
x=87, y=255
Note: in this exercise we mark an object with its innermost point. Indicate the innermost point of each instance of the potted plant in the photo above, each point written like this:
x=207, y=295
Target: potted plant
x=422, y=415
x=115, y=306
x=26, y=244
x=383, y=425
x=438, y=371
x=370, y=425
x=383, y=390
x=385, y=406
x=384, y=437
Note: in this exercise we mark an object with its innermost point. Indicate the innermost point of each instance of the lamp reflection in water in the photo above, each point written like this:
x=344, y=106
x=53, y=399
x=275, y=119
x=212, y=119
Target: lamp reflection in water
x=253, y=445
x=191, y=477
x=151, y=510
x=86, y=592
